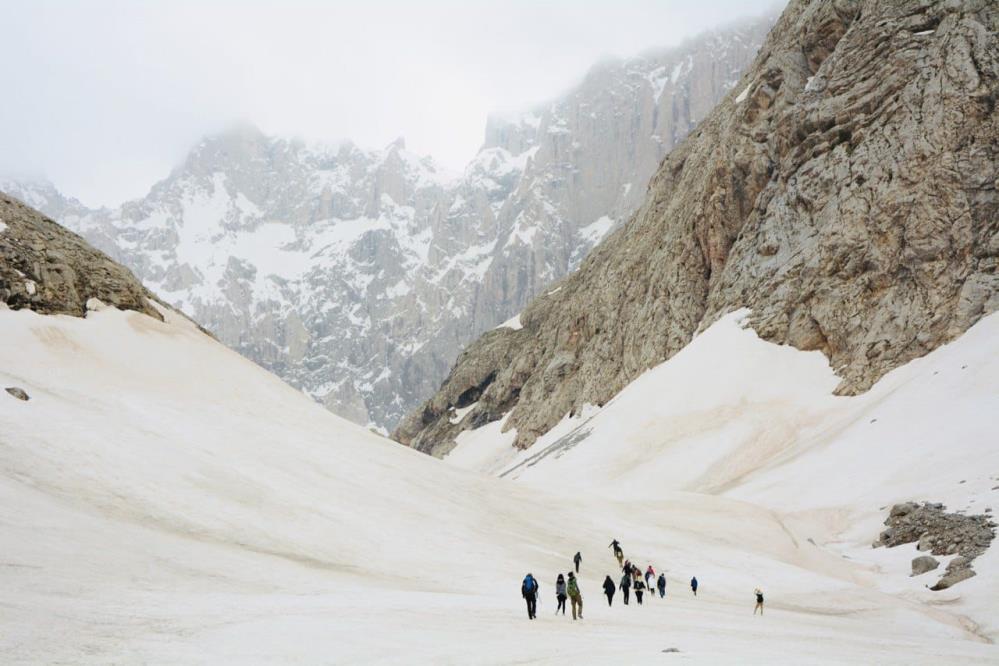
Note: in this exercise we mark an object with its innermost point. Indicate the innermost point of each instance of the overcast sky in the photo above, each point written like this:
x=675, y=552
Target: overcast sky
x=104, y=98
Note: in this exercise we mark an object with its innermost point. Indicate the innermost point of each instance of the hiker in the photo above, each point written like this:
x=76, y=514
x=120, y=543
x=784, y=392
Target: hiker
x=576, y=559
x=693, y=585
x=609, y=589
x=626, y=586
x=639, y=589
x=618, y=553
x=661, y=584
x=560, y=594
x=759, y=602
x=529, y=590
x=575, y=597
x=650, y=575
x=627, y=567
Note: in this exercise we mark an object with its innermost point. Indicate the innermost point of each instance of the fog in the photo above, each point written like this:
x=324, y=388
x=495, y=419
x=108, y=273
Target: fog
x=104, y=98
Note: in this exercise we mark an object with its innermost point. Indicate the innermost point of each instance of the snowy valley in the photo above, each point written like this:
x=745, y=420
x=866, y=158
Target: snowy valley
x=166, y=500
x=775, y=369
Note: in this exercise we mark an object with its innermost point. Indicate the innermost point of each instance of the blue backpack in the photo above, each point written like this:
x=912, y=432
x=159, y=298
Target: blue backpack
x=530, y=585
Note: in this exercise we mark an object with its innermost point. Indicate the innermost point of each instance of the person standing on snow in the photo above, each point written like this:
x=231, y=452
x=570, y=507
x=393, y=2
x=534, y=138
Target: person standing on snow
x=626, y=586
x=693, y=585
x=661, y=584
x=575, y=596
x=650, y=575
x=529, y=590
x=576, y=559
x=618, y=553
x=759, y=602
x=560, y=594
x=639, y=589
x=609, y=590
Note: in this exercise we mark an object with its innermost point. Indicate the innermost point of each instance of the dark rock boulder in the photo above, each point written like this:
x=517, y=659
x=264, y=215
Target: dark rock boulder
x=18, y=393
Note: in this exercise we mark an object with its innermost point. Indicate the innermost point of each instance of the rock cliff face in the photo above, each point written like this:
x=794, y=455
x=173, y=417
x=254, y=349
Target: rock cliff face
x=358, y=275
x=845, y=191
x=46, y=268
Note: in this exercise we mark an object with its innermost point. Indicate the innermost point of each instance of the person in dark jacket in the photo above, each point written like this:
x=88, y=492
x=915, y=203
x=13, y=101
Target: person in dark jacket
x=576, y=559
x=759, y=601
x=560, y=594
x=626, y=586
x=618, y=553
x=661, y=584
x=609, y=590
x=639, y=586
x=693, y=585
x=529, y=590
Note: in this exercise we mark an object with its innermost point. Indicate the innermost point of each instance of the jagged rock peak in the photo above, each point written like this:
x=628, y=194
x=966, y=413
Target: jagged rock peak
x=844, y=191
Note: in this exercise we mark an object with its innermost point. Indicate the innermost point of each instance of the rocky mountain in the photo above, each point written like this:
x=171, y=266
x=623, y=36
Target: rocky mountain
x=359, y=275
x=48, y=269
x=844, y=191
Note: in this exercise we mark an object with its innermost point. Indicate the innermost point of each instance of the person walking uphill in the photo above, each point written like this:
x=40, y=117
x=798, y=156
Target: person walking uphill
x=693, y=585
x=650, y=576
x=639, y=589
x=759, y=602
x=618, y=553
x=661, y=584
x=609, y=590
x=575, y=597
x=576, y=559
x=560, y=594
x=626, y=586
x=529, y=590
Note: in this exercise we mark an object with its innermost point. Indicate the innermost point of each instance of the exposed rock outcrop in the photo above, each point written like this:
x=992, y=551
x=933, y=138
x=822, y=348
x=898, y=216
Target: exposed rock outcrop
x=845, y=191
x=49, y=269
x=941, y=533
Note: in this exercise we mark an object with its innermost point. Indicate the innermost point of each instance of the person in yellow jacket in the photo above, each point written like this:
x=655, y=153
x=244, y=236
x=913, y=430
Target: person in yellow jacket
x=575, y=597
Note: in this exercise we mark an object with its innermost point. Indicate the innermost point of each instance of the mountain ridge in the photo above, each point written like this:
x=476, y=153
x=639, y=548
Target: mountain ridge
x=818, y=194
x=382, y=266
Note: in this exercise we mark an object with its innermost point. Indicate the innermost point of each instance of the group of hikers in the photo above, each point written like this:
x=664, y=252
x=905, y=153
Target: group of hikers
x=632, y=579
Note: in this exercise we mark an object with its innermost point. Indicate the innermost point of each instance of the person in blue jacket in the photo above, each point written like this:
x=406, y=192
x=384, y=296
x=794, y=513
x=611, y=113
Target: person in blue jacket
x=529, y=590
x=693, y=585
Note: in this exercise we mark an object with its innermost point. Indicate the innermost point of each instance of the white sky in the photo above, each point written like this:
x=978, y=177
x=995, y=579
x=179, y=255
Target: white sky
x=104, y=98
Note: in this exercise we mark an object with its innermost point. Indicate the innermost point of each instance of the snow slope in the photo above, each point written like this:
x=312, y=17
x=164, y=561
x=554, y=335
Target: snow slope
x=733, y=416
x=164, y=500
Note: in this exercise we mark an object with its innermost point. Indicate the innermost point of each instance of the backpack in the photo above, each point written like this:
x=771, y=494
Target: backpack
x=530, y=585
x=573, y=588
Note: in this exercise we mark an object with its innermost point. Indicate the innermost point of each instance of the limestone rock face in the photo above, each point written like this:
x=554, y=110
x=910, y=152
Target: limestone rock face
x=51, y=270
x=844, y=190
x=357, y=275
